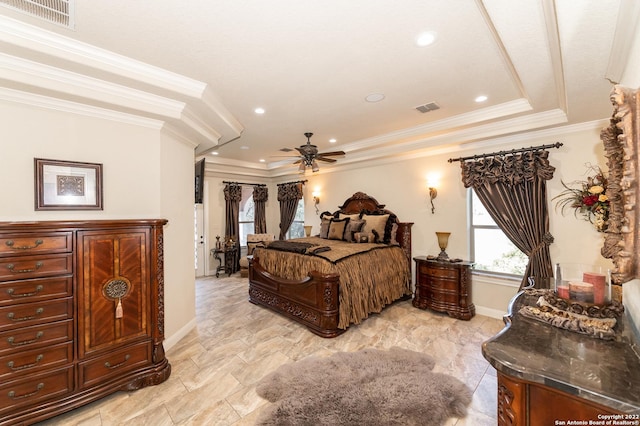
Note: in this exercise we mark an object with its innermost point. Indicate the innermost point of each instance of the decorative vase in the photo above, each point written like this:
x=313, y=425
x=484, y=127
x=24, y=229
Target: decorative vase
x=443, y=240
x=307, y=230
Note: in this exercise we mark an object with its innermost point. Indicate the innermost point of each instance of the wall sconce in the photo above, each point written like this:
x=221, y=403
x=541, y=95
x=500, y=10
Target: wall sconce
x=316, y=200
x=433, y=193
x=432, y=183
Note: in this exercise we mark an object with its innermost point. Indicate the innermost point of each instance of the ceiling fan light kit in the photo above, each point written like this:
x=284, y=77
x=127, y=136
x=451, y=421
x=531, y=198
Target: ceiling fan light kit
x=309, y=155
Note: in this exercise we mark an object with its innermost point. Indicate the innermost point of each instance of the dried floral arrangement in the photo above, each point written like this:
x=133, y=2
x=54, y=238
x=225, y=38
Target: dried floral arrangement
x=589, y=199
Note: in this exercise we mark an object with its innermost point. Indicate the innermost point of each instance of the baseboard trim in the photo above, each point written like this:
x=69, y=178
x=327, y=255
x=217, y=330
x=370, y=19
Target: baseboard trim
x=171, y=341
x=490, y=312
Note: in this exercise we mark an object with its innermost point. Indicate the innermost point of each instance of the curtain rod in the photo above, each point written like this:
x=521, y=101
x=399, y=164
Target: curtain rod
x=288, y=183
x=244, y=183
x=512, y=151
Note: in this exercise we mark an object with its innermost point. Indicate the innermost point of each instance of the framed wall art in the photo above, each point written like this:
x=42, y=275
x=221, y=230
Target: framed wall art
x=67, y=185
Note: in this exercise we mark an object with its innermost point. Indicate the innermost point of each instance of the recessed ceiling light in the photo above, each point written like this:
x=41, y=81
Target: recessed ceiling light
x=244, y=147
x=333, y=140
x=481, y=98
x=425, y=39
x=259, y=110
x=262, y=160
x=374, y=97
x=214, y=153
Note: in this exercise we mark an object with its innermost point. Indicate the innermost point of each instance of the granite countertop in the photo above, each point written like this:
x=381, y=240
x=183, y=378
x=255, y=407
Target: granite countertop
x=606, y=372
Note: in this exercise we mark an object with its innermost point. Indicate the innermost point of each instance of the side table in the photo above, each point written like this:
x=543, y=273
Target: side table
x=444, y=287
x=230, y=254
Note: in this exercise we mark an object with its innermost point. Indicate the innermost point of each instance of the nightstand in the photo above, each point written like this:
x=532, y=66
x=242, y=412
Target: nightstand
x=444, y=287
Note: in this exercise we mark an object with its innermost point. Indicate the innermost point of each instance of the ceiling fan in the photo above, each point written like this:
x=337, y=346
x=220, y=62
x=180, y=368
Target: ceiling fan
x=309, y=155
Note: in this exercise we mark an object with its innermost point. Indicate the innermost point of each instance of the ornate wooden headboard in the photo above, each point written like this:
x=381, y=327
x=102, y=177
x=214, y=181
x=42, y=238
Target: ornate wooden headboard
x=621, y=142
x=360, y=201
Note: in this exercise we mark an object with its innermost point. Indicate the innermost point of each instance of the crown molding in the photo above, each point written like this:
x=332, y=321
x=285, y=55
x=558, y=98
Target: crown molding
x=169, y=95
x=40, y=40
x=62, y=105
x=485, y=114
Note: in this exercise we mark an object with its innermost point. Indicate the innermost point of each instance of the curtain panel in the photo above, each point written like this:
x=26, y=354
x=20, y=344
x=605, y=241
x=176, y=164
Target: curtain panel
x=260, y=197
x=232, y=198
x=288, y=196
x=513, y=189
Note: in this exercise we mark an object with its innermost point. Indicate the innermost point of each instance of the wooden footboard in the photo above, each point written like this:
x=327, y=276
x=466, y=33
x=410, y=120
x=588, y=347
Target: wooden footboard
x=312, y=301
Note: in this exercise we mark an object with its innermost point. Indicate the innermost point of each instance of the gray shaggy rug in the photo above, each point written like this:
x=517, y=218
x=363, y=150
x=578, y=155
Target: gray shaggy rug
x=368, y=387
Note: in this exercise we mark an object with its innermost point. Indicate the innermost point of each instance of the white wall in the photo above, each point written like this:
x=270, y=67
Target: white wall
x=145, y=176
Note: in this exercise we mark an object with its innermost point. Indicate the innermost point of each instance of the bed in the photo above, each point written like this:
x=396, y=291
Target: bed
x=328, y=283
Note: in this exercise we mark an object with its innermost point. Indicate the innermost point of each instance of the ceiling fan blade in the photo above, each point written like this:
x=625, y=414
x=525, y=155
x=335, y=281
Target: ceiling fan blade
x=296, y=162
x=326, y=160
x=325, y=154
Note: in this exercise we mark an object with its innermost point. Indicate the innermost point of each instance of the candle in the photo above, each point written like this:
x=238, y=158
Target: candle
x=599, y=285
x=563, y=291
x=581, y=291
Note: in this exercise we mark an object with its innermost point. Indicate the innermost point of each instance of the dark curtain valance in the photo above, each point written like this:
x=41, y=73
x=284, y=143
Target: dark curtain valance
x=509, y=169
x=260, y=193
x=233, y=192
x=290, y=191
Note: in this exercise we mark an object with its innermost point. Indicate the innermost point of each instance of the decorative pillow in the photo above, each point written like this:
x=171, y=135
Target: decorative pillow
x=354, y=225
x=350, y=216
x=251, y=246
x=337, y=228
x=377, y=223
x=324, y=226
x=363, y=237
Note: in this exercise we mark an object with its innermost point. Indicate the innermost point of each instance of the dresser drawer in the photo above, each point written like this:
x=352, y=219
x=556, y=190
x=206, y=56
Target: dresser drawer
x=114, y=364
x=35, y=389
x=12, y=292
x=28, y=362
x=35, y=243
x=26, y=314
x=440, y=272
x=26, y=338
x=17, y=268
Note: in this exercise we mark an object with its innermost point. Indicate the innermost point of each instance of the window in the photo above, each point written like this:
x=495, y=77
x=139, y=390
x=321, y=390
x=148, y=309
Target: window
x=491, y=250
x=297, y=227
x=247, y=214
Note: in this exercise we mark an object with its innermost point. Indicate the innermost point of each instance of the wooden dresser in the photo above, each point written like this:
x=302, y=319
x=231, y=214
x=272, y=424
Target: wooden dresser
x=444, y=287
x=81, y=313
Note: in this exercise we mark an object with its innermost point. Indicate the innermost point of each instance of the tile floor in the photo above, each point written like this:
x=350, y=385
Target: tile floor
x=215, y=367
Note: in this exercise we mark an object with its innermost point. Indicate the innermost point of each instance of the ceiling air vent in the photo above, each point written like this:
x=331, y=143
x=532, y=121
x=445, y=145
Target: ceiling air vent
x=431, y=106
x=57, y=11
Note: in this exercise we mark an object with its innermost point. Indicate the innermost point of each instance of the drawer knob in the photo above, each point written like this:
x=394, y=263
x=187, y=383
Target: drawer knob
x=10, y=243
x=12, y=341
x=108, y=364
x=11, y=364
x=38, y=289
x=12, y=317
x=12, y=267
x=12, y=394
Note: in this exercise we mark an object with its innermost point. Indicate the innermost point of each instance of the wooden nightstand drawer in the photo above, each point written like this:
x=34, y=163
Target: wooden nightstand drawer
x=18, y=268
x=16, y=316
x=114, y=363
x=26, y=338
x=34, y=243
x=35, y=289
x=29, y=362
x=442, y=272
